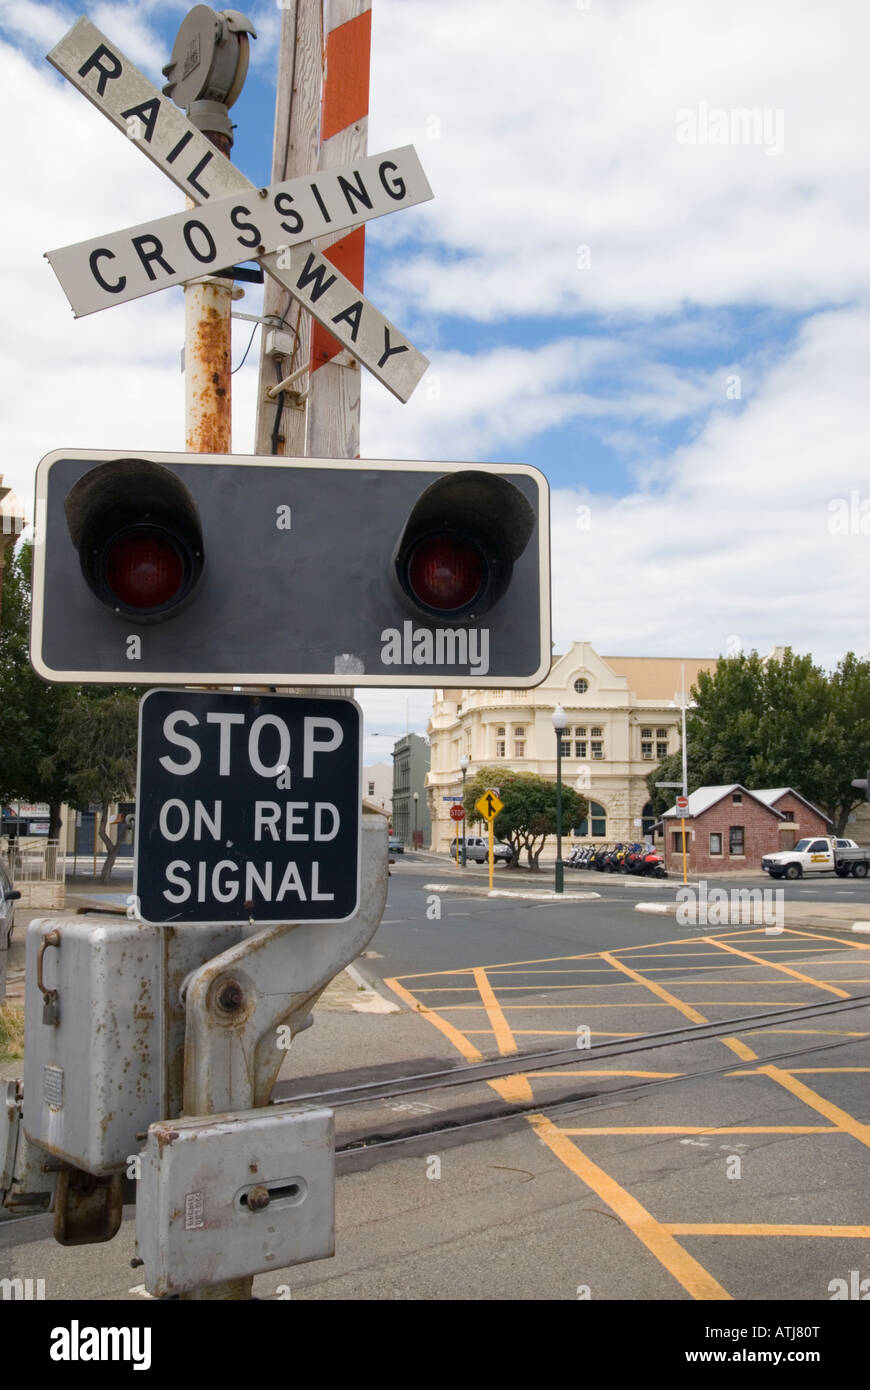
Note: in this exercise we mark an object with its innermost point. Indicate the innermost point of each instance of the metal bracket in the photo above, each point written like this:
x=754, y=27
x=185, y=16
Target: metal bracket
x=236, y=1002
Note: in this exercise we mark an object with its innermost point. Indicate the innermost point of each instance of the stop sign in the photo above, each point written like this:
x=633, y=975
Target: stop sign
x=457, y=813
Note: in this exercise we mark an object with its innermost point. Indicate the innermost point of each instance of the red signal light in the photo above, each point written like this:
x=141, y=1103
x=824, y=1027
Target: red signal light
x=144, y=570
x=446, y=573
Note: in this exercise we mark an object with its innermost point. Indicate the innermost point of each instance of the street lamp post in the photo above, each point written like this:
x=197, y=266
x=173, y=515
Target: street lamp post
x=463, y=764
x=416, y=799
x=560, y=719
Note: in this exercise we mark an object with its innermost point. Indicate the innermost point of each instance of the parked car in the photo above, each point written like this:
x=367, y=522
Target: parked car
x=822, y=854
x=8, y=898
x=477, y=848
x=396, y=846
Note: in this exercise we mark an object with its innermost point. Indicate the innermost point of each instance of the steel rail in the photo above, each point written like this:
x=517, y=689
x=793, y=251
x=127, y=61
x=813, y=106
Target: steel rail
x=519, y=1062
x=372, y=1145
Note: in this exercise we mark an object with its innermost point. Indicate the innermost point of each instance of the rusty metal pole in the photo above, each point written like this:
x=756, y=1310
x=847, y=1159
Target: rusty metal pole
x=208, y=303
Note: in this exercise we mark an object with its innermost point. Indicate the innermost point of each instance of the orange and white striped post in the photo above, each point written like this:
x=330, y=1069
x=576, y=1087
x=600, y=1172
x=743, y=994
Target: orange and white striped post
x=334, y=386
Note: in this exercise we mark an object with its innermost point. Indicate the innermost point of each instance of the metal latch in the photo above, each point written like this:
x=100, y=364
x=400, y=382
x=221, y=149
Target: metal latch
x=49, y=1007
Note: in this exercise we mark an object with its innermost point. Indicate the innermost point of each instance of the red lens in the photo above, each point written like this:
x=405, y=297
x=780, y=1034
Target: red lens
x=144, y=571
x=446, y=573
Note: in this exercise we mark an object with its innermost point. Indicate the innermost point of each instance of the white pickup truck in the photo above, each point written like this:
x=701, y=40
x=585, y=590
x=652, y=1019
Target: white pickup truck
x=822, y=854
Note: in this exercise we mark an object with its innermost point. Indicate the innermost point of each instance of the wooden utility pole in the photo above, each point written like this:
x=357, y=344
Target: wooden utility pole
x=321, y=120
x=281, y=425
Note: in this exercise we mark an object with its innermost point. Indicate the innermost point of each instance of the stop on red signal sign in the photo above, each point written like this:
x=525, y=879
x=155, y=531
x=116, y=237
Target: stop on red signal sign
x=457, y=813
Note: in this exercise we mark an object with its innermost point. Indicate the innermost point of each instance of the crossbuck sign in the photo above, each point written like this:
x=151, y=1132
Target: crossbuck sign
x=126, y=265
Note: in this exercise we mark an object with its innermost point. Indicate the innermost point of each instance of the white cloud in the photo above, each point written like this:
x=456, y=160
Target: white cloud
x=556, y=128
x=738, y=540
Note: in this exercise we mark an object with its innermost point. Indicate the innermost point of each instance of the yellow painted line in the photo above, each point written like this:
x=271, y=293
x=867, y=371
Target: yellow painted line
x=683, y=1228
x=848, y=941
x=494, y=1012
x=785, y=969
x=525, y=989
x=812, y=1071
x=706, y=1129
x=629, y=1004
x=459, y=1041
x=685, y=1009
x=693, y=1277
x=535, y=1006
x=831, y=1112
x=550, y=1032
x=740, y=1049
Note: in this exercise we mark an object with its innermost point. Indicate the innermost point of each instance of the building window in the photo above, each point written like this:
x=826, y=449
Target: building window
x=565, y=747
x=581, y=686
x=661, y=750
x=580, y=733
x=596, y=732
x=597, y=750
x=594, y=823
x=716, y=843
x=519, y=731
x=371, y=788
x=737, y=799
x=735, y=839
x=647, y=819
x=646, y=750
x=677, y=841
x=499, y=733
x=661, y=733
x=499, y=748
x=646, y=733
x=519, y=748
x=580, y=748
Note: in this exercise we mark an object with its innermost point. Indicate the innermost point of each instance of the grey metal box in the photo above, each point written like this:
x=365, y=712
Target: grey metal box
x=223, y=1196
x=92, y=1080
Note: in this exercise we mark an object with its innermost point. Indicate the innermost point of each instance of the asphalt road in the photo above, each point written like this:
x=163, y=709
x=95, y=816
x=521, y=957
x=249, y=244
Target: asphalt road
x=475, y=930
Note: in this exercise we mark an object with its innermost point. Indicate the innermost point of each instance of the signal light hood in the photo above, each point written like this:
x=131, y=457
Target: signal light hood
x=120, y=498
x=478, y=509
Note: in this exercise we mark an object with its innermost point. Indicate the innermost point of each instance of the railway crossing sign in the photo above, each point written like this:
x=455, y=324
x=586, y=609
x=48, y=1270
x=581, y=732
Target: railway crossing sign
x=113, y=84
x=489, y=804
x=166, y=251
x=247, y=808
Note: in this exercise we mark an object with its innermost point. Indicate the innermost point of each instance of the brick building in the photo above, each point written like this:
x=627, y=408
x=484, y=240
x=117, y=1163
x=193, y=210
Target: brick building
x=732, y=827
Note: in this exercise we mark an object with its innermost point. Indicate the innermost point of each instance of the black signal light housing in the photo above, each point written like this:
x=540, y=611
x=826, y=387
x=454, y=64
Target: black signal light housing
x=139, y=538
x=455, y=556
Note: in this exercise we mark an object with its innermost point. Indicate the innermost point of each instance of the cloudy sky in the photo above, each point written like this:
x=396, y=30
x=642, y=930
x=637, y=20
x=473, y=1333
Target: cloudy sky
x=644, y=271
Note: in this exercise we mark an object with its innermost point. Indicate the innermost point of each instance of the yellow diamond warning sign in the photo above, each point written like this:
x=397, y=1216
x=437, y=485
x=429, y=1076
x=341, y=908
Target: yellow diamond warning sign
x=489, y=804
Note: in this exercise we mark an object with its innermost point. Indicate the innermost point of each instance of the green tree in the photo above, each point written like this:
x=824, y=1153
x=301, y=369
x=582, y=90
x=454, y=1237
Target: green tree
x=778, y=723
x=29, y=709
x=529, y=813
x=96, y=747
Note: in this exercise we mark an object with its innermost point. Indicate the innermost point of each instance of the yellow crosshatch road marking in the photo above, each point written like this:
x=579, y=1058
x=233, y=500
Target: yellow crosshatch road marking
x=684, y=1228
x=685, y=1269
x=630, y=968
x=801, y=1091
x=786, y=970
x=712, y=1130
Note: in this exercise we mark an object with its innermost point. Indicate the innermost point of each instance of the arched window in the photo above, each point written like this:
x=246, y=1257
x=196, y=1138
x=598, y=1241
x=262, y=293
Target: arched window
x=647, y=818
x=594, y=823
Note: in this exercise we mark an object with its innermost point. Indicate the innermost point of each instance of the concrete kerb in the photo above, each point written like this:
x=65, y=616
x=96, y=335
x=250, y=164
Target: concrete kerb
x=540, y=895
x=837, y=920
